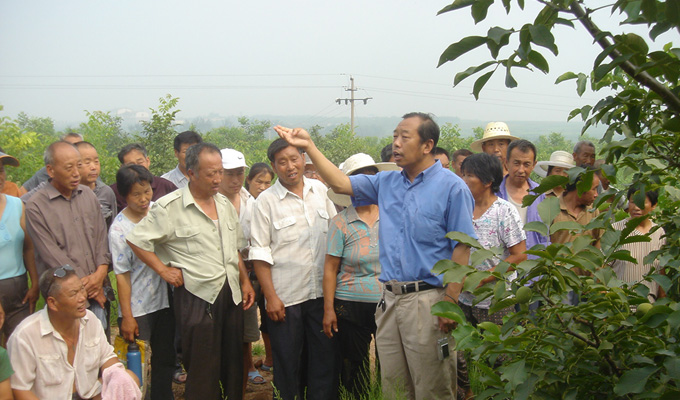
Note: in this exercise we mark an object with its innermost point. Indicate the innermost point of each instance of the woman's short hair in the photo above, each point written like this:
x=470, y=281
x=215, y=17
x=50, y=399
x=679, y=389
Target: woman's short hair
x=486, y=168
x=128, y=175
x=652, y=195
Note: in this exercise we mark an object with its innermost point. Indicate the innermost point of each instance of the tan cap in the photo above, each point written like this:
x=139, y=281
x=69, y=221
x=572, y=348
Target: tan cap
x=558, y=158
x=353, y=164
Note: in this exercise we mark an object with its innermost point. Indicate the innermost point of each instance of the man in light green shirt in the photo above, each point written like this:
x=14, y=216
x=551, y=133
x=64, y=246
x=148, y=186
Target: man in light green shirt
x=191, y=239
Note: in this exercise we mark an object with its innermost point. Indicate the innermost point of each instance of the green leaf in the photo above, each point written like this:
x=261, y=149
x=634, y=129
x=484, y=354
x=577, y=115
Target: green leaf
x=499, y=35
x=586, y=182
x=459, y=48
x=464, y=238
x=456, y=5
x=634, y=381
x=515, y=373
x=565, y=225
x=604, y=69
x=480, y=82
x=662, y=280
x=672, y=365
x=444, y=265
x=456, y=275
x=537, y=226
x=541, y=36
x=446, y=309
x=537, y=60
x=510, y=82
x=470, y=71
x=581, y=84
x=565, y=77
x=491, y=327
x=550, y=182
x=479, y=9
x=473, y=280
x=548, y=209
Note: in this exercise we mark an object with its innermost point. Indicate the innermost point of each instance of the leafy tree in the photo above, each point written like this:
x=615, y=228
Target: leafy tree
x=26, y=146
x=104, y=131
x=598, y=349
x=41, y=125
x=158, y=135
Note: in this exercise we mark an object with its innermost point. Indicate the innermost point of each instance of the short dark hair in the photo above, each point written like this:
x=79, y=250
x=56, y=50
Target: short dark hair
x=195, y=151
x=428, y=129
x=460, y=152
x=49, y=283
x=486, y=168
x=386, y=153
x=186, y=137
x=257, y=169
x=581, y=143
x=439, y=150
x=570, y=187
x=128, y=175
x=84, y=144
x=522, y=145
x=652, y=195
x=276, y=146
x=128, y=148
x=48, y=156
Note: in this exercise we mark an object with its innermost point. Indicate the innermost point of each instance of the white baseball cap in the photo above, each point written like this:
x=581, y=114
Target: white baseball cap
x=232, y=159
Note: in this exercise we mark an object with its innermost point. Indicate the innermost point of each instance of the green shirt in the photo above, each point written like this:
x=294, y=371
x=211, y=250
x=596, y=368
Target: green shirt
x=5, y=367
x=183, y=236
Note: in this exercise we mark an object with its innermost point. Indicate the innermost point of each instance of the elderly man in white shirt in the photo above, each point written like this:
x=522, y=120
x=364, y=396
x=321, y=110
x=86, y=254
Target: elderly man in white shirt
x=288, y=245
x=58, y=352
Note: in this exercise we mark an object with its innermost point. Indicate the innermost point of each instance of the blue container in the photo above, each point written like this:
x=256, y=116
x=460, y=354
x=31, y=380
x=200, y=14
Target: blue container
x=134, y=361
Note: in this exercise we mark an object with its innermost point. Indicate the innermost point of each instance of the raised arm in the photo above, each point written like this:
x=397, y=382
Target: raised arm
x=300, y=138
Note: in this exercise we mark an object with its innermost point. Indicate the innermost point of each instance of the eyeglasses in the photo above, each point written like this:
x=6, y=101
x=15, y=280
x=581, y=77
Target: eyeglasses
x=60, y=273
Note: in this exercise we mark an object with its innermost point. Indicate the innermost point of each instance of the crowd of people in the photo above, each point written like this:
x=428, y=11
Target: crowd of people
x=333, y=257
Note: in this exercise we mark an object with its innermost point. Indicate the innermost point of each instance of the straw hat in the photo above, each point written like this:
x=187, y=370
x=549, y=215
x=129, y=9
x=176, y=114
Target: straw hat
x=353, y=164
x=558, y=158
x=493, y=130
x=6, y=159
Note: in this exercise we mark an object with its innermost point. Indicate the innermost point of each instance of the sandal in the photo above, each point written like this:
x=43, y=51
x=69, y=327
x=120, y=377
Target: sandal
x=254, y=377
x=268, y=368
x=180, y=376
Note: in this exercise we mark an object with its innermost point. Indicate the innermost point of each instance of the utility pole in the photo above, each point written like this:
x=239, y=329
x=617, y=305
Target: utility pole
x=351, y=101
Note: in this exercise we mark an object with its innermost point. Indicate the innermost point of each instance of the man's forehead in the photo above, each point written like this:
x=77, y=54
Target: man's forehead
x=519, y=154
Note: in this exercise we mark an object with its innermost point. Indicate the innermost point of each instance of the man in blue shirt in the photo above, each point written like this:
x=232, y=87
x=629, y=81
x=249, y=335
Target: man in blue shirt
x=418, y=206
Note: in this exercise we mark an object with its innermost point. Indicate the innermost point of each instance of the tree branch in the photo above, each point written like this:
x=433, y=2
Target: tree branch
x=671, y=100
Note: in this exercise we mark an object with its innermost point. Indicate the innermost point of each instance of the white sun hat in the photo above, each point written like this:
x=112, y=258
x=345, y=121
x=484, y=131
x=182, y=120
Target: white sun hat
x=493, y=130
x=558, y=158
x=353, y=164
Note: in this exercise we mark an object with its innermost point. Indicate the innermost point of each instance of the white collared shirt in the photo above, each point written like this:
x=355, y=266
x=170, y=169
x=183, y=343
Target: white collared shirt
x=245, y=212
x=289, y=233
x=39, y=356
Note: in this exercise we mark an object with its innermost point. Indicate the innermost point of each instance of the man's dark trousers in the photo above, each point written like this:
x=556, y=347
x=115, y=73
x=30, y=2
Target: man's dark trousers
x=212, y=344
x=304, y=326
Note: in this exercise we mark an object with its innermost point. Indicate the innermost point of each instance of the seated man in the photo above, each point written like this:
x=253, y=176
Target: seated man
x=58, y=352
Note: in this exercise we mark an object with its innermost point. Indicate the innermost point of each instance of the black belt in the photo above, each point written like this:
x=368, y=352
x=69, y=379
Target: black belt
x=409, y=287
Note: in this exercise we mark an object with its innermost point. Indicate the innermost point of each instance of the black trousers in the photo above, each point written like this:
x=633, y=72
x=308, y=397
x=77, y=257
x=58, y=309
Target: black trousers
x=356, y=327
x=212, y=345
x=303, y=329
x=158, y=329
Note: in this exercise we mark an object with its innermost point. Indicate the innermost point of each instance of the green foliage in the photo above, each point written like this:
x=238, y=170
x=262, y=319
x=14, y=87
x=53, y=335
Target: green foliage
x=598, y=349
x=104, y=131
x=158, y=135
x=27, y=146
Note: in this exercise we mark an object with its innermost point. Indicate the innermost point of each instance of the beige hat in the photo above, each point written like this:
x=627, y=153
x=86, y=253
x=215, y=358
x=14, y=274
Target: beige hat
x=353, y=164
x=6, y=159
x=493, y=130
x=558, y=158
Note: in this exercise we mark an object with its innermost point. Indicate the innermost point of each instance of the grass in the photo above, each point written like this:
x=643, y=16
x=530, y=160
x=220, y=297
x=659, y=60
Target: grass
x=258, y=349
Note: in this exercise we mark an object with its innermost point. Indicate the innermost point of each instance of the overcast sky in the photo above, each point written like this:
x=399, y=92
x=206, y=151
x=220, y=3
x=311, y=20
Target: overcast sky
x=59, y=58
